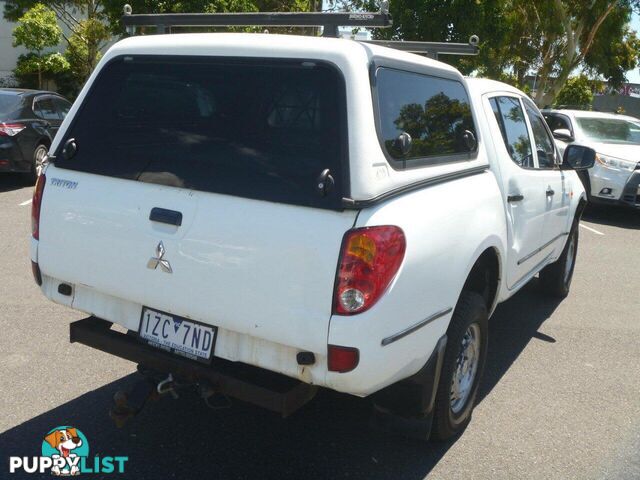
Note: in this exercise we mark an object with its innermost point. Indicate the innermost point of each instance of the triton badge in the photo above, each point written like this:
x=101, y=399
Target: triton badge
x=153, y=262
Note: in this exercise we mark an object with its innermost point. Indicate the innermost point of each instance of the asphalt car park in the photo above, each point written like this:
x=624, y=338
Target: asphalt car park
x=559, y=397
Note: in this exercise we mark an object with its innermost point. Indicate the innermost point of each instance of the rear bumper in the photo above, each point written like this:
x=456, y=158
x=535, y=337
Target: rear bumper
x=10, y=156
x=250, y=384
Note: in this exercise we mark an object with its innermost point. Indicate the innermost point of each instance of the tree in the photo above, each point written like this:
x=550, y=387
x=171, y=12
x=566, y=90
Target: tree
x=576, y=92
x=580, y=34
x=37, y=30
x=546, y=38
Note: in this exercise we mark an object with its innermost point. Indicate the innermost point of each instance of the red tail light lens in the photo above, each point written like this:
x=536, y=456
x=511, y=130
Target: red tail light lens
x=342, y=359
x=35, y=206
x=11, y=129
x=369, y=260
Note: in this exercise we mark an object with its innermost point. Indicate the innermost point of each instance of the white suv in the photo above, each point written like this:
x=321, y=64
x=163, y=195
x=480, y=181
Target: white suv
x=269, y=214
x=615, y=178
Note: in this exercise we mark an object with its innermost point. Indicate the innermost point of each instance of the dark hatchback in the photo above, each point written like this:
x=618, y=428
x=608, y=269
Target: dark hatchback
x=29, y=119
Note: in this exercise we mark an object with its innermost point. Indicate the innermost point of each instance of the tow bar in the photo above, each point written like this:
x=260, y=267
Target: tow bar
x=168, y=373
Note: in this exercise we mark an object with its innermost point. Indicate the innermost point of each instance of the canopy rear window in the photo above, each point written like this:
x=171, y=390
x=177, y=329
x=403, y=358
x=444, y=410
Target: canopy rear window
x=263, y=129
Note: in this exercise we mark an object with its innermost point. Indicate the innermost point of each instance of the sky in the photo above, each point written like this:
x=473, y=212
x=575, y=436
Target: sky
x=633, y=76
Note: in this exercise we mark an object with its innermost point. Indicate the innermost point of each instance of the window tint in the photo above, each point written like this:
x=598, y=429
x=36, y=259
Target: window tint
x=263, y=129
x=9, y=103
x=513, y=126
x=44, y=108
x=434, y=111
x=62, y=106
x=545, y=147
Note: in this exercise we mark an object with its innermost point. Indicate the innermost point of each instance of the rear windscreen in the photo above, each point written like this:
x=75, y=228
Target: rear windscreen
x=262, y=129
x=9, y=103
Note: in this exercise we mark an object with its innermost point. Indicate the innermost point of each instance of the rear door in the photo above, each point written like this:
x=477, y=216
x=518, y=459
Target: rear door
x=211, y=165
x=45, y=109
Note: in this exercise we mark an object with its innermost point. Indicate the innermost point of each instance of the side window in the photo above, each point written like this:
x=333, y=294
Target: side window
x=434, y=111
x=44, y=108
x=545, y=146
x=513, y=126
x=62, y=106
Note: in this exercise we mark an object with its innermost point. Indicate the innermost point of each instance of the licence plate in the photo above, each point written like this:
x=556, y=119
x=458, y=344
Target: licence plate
x=177, y=335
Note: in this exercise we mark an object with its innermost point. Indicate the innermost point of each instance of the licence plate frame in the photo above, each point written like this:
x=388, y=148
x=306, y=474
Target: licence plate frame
x=167, y=322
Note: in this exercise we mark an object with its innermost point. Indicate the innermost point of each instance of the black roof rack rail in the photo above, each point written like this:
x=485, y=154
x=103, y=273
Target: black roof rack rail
x=330, y=21
x=431, y=49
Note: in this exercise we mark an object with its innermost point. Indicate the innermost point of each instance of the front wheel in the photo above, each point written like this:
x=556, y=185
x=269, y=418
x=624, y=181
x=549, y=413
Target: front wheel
x=464, y=360
x=555, y=279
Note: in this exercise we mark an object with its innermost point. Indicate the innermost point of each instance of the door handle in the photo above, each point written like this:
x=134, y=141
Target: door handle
x=162, y=215
x=550, y=192
x=515, y=198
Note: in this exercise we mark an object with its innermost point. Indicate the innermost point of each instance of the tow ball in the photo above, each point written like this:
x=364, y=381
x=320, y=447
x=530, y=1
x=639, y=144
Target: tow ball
x=153, y=386
x=128, y=404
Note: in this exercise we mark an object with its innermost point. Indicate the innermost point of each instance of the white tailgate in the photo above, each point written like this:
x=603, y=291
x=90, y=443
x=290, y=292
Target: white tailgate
x=253, y=267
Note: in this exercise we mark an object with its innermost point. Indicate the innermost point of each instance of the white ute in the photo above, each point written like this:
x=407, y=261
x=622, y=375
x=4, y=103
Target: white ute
x=268, y=214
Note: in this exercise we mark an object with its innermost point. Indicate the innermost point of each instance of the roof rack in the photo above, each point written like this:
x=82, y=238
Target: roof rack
x=330, y=21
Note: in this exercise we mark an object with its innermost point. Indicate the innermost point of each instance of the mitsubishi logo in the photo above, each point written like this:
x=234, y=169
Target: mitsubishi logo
x=153, y=262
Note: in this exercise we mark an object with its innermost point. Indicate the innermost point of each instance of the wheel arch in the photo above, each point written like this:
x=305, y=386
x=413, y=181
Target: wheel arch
x=485, y=274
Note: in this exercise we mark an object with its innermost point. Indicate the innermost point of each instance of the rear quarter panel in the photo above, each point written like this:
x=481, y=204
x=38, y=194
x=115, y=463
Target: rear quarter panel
x=447, y=227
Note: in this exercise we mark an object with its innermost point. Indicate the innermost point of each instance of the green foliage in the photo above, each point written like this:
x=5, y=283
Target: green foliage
x=37, y=29
x=576, y=92
x=48, y=64
x=546, y=38
x=32, y=71
x=82, y=52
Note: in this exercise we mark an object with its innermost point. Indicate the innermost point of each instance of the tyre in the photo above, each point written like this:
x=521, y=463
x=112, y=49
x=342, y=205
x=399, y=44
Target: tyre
x=464, y=360
x=555, y=279
x=37, y=163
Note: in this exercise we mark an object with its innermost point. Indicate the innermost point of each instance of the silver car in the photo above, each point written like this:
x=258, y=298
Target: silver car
x=615, y=177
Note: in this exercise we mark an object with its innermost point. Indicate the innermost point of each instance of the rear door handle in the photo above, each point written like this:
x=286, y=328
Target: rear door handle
x=162, y=215
x=515, y=198
x=550, y=192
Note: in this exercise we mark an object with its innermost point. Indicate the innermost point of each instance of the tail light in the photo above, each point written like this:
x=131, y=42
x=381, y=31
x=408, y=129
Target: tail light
x=11, y=129
x=35, y=206
x=369, y=260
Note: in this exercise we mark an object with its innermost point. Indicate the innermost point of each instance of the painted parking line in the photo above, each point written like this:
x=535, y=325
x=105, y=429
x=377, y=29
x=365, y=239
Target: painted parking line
x=591, y=229
x=25, y=203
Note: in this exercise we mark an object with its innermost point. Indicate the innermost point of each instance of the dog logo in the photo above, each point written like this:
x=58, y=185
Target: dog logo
x=153, y=262
x=65, y=453
x=65, y=446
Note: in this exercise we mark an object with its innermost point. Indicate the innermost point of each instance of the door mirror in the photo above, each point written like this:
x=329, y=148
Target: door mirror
x=563, y=134
x=577, y=157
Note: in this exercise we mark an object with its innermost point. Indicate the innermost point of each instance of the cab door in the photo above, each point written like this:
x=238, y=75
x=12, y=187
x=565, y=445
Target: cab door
x=553, y=181
x=525, y=201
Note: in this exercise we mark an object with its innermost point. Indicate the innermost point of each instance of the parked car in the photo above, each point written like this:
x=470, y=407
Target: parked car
x=615, y=178
x=29, y=119
x=269, y=214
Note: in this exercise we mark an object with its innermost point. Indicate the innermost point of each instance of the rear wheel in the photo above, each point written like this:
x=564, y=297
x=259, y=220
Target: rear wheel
x=464, y=360
x=37, y=164
x=555, y=279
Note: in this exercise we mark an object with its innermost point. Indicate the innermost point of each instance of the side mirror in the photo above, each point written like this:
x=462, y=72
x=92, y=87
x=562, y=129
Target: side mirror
x=577, y=157
x=563, y=134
